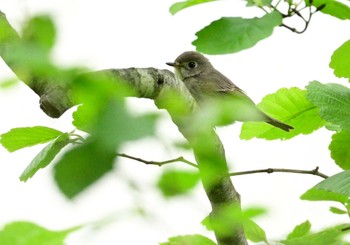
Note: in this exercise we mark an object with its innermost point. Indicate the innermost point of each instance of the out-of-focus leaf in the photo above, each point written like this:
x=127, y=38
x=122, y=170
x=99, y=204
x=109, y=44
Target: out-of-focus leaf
x=335, y=188
x=340, y=150
x=322, y=195
x=9, y=83
x=289, y=106
x=189, y=240
x=94, y=91
x=30, y=58
x=28, y=61
x=333, y=100
x=26, y=233
x=176, y=7
x=40, y=31
x=115, y=125
x=254, y=232
x=18, y=138
x=176, y=182
x=336, y=210
x=259, y=3
x=340, y=60
x=85, y=164
x=232, y=216
x=331, y=7
x=233, y=34
x=326, y=237
x=45, y=156
x=82, y=166
x=300, y=230
x=8, y=34
x=183, y=145
x=332, y=127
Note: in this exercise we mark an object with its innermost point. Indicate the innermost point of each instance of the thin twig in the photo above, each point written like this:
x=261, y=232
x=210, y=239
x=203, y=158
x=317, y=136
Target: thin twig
x=276, y=5
x=267, y=170
x=282, y=170
x=160, y=163
x=263, y=9
x=293, y=9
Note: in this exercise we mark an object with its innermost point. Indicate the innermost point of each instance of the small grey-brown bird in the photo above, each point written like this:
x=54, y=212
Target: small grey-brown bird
x=206, y=83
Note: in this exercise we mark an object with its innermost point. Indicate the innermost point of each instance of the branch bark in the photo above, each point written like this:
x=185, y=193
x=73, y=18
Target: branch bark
x=158, y=85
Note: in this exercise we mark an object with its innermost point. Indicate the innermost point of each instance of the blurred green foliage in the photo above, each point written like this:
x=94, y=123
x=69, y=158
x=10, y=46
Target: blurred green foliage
x=26, y=233
x=102, y=114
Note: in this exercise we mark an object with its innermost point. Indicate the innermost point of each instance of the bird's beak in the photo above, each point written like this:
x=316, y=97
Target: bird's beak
x=172, y=64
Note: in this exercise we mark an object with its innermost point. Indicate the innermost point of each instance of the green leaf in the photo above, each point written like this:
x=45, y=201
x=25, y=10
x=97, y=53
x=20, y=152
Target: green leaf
x=29, y=56
x=336, y=210
x=26, y=233
x=85, y=164
x=177, y=182
x=331, y=7
x=322, y=195
x=340, y=149
x=231, y=216
x=300, y=230
x=31, y=59
x=332, y=127
x=326, y=237
x=333, y=101
x=81, y=167
x=9, y=83
x=289, y=106
x=335, y=188
x=104, y=115
x=340, y=60
x=8, y=35
x=93, y=91
x=254, y=232
x=18, y=138
x=45, y=156
x=176, y=7
x=40, y=31
x=206, y=222
x=233, y=34
x=115, y=125
x=259, y=3
x=189, y=240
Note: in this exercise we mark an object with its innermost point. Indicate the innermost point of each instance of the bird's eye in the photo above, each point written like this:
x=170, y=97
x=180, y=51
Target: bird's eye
x=192, y=64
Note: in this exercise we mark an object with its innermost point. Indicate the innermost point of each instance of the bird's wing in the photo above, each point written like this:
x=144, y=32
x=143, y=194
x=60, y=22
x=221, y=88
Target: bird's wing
x=223, y=85
x=244, y=108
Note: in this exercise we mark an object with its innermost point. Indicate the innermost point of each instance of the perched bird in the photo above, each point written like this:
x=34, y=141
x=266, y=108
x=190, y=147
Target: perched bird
x=206, y=84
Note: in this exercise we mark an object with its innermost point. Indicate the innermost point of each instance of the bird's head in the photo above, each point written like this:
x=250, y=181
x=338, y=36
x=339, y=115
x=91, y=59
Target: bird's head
x=190, y=64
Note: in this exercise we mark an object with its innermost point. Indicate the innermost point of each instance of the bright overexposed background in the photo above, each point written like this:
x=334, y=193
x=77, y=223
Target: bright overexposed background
x=137, y=33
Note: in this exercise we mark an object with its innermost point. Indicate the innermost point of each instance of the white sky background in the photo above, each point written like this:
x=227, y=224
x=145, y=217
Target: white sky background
x=137, y=33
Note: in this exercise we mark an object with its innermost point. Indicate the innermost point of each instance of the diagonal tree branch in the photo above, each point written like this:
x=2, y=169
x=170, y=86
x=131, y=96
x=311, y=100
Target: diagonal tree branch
x=155, y=84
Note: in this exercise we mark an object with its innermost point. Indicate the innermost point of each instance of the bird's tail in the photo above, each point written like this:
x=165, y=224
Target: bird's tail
x=279, y=124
